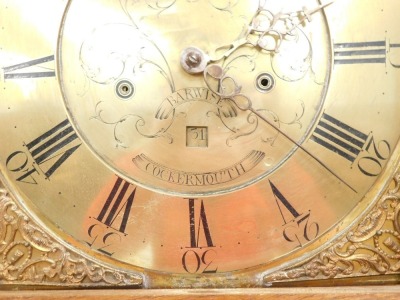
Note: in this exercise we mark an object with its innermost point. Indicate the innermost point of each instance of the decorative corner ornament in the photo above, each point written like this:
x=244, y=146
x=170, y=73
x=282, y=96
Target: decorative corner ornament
x=30, y=256
x=372, y=247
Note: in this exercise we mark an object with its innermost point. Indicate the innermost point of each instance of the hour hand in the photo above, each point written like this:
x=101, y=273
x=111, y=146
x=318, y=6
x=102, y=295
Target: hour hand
x=225, y=51
x=273, y=28
x=266, y=31
x=307, y=13
x=194, y=60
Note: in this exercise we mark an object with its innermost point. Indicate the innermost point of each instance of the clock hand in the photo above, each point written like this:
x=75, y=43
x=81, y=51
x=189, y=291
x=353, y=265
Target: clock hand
x=249, y=108
x=244, y=103
x=291, y=17
x=266, y=37
x=277, y=26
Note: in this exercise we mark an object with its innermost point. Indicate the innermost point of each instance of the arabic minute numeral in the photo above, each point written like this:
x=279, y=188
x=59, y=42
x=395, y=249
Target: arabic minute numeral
x=45, y=154
x=201, y=255
x=297, y=226
x=352, y=145
x=109, y=226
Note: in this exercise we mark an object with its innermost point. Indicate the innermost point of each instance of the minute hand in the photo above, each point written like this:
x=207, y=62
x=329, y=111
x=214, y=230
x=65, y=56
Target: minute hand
x=244, y=103
x=298, y=145
x=273, y=28
x=307, y=13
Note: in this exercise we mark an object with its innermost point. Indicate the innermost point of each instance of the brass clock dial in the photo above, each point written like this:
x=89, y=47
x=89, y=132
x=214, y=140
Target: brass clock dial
x=178, y=139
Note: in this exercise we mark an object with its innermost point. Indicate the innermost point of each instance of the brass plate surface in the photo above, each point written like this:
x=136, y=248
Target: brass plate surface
x=236, y=176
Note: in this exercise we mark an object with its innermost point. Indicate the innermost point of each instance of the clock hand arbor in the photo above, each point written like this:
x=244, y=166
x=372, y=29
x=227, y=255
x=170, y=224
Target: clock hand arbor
x=266, y=31
x=233, y=93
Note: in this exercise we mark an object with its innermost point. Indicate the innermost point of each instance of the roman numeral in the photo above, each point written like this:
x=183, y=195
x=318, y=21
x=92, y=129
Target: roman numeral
x=202, y=223
x=339, y=138
x=279, y=198
x=47, y=153
x=13, y=72
x=117, y=207
x=360, y=53
x=200, y=258
x=54, y=147
x=106, y=232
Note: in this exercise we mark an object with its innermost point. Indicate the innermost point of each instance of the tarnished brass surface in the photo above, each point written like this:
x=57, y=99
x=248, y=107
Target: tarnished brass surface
x=201, y=143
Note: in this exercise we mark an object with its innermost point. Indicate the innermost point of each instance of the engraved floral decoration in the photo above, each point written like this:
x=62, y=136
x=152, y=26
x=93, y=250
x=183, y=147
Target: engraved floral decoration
x=372, y=247
x=104, y=61
x=219, y=80
x=161, y=5
x=278, y=34
x=31, y=256
x=105, y=58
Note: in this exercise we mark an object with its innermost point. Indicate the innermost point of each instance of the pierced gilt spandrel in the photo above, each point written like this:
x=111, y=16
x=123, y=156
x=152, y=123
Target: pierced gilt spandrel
x=31, y=255
x=370, y=248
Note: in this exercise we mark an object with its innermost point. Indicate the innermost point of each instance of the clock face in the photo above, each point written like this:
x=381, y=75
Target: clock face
x=198, y=137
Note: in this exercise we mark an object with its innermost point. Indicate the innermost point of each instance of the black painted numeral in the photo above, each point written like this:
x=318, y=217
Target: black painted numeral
x=54, y=146
x=201, y=257
x=194, y=261
x=370, y=163
x=118, y=202
x=394, y=55
x=339, y=137
x=360, y=53
x=352, y=145
x=298, y=228
x=202, y=223
x=281, y=200
x=13, y=72
x=374, y=52
x=47, y=153
x=109, y=226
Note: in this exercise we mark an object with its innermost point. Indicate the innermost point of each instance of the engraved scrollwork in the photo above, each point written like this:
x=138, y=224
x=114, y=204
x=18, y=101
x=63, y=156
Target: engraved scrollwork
x=279, y=35
x=159, y=5
x=372, y=247
x=29, y=255
x=106, y=57
x=162, y=5
x=291, y=65
x=104, y=60
x=138, y=121
x=224, y=5
x=233, y=102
